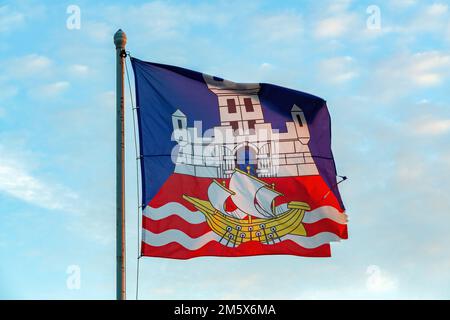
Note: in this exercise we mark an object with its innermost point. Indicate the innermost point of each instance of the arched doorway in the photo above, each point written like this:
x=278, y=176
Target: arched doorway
x=246, y=160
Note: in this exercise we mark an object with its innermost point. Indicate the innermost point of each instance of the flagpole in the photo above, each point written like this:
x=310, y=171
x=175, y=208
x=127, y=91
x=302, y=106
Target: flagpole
x=120, y=40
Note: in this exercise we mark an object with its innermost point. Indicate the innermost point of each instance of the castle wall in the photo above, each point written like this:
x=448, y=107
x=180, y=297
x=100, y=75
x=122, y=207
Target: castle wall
x=277, y=154
x=286, y=157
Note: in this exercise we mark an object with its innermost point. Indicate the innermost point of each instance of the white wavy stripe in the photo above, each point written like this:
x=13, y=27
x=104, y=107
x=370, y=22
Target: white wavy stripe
x=196, y=217
x=166, y=237
x=314, y=241
x=173, y=235
x=325, y=212
x=174, y=208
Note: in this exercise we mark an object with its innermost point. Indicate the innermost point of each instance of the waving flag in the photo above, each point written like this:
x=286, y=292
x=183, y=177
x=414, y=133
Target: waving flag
x=233, y=169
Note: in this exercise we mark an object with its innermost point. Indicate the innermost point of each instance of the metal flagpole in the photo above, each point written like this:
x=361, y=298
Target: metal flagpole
x=120, y=40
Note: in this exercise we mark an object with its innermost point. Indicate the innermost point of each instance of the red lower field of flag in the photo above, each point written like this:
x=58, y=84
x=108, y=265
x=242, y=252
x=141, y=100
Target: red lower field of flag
x=174, y=228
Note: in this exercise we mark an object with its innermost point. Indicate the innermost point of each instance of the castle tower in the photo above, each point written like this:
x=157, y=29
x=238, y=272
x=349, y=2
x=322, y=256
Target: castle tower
x=301, y=126
x=179, y=123
x=239, y=104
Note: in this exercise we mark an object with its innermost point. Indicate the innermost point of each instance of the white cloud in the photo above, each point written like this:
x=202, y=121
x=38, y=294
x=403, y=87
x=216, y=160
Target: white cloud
x=49, y=90
x=428, y=68
x=33, y=63
x=338, y=5
x=339, y=21
x=432, y=126
x=437, y=9
x=265, y=66
x=78, y=69
x=9, y=19
x=406, y=72
x=163, y=291
x=17, y=182
x=403, y=3
x=98, y=31
x=380, y=281
x=335, y=26
x=18, y=179
x=29, y=65
x=432, y=19
x=159, y=19
x=410, y=173
x=378, y=284
x=163, y=19
x=107, y=98
x=423, y=101
x=278, y=27
x=338, y=70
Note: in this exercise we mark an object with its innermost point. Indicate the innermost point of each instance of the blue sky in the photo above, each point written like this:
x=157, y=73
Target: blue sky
x=386, y=88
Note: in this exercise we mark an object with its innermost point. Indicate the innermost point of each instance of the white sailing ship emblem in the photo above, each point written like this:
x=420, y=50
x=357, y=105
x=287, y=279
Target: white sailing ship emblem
x=256, y=218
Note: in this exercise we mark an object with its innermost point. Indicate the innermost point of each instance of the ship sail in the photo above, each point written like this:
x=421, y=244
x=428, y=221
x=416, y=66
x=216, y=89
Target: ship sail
x=263, y=201
x=238, y=213
x=217, y=195
x=251, y=196
x=246, y=188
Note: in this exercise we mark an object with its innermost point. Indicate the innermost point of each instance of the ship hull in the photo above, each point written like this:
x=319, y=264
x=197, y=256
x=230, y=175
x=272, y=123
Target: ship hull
x=268, y=231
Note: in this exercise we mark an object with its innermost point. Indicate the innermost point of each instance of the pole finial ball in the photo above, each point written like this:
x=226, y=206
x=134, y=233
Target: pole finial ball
x=120, y=39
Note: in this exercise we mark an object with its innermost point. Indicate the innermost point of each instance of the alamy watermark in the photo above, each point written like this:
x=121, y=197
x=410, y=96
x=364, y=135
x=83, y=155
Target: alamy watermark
x=73, y=281
x=73, y=22
x=373, y=22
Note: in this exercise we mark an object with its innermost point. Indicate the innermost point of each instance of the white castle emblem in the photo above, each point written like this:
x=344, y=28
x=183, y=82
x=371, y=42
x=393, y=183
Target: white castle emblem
x=242, y=139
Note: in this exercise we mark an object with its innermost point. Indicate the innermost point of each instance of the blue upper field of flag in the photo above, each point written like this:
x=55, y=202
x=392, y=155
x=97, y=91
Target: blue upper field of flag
x=164, y=90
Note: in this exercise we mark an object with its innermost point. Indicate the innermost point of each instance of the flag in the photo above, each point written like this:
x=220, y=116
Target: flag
x=233, y=169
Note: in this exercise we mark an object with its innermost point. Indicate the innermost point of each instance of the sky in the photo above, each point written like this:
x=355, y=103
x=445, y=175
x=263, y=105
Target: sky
x=382, y=66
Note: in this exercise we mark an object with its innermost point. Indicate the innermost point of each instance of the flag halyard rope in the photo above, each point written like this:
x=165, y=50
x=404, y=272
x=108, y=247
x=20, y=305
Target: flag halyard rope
x=138, y=158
